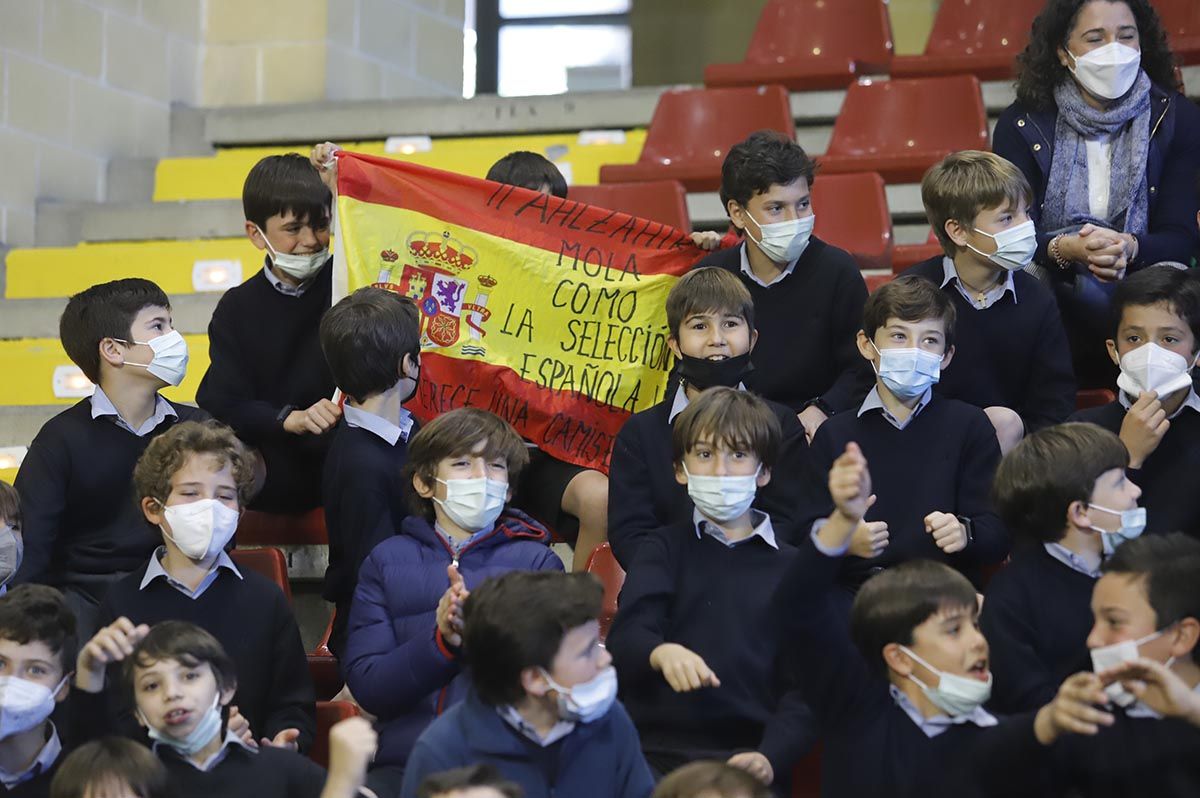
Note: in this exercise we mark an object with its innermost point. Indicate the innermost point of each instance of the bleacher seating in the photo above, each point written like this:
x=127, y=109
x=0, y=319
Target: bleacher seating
x=900, y=128
x=605, y=567
x=812, y=44
x=875, y=280
x=323, y=667
x=1181, y=21
x=267, y=561
x=329, y=713
x=659, y=200
x=852, y=213
x=692, y=130
x=272, y=529
x=969, y=37
x=1093, y=397
x=906, y=255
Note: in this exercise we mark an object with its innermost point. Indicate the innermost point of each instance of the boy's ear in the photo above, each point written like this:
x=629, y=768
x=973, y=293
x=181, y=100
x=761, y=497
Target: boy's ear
x=1077, y=515
x=957, y=231
x=673, y=345
x=946, y=358
x=152, y=509
x=423, y=488
x=1187, y=634
x=534, y=683
x=227, y=695
x=680, y=474
x=1112, y=352
x=864, y=347
x=255, y=235
x=63, y=691
x=897, y=661
x=764, y=477
x=753, y=338
x=737, y=214
x=111, y=352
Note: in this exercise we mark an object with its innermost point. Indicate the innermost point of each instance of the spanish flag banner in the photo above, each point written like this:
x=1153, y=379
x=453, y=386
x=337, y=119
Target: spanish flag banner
x=547, y=312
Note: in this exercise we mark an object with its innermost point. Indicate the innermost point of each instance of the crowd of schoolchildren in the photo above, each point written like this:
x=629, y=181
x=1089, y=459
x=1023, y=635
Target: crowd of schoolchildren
x=872, y=529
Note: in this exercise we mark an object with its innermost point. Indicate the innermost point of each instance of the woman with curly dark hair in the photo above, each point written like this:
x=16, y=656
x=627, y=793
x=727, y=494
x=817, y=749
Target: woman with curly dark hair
x=1111, y=149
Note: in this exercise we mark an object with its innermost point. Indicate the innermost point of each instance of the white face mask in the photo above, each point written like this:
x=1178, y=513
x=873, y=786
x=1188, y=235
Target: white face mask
x=170, y=359
x=783, y=242
x=1015, y=246
x=955, y=695
x=24, y=704
x=12, y=551
x=1150, y=367
x=586, y=701
x=908, y=373
x=474, y=504
x=300, y=267
x=1111, y=656
x=723, y=498
x=1133, y=523
x=1107, y=71
x=200, y=529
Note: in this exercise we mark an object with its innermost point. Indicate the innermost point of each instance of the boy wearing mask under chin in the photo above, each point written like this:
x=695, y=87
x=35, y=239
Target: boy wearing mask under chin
x=193, y=481
x=402, y=656
x=1156, y=342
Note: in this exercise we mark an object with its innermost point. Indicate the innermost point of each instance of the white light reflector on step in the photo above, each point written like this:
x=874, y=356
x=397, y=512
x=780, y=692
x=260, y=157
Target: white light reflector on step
x=587, y=137
x=70, y=383
x=11, y=456
x=407, y=145
x=216, y=275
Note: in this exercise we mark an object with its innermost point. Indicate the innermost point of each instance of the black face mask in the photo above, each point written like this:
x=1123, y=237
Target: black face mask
x=703, y=373
x=415, y=356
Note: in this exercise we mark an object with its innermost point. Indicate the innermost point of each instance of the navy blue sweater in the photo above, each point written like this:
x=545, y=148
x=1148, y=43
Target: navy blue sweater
x=1013, y=354
x=265, y=357
x=364, y=494
x=1168, y=477
x=266, y=773
x=807, y=323
x=943, y=460
x=643, y=494
x=1036, y=619
x=601, y=759
x=718, y=602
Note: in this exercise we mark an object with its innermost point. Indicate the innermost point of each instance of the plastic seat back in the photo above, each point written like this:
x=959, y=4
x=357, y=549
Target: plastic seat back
x=662, y=201
x=605, y=567
x=969, y=36
x=329, y=714
x=1093, y=397
x=267, y=561
x=1181, y=21
x=323, y=667
x=274, y=529
x=852, y=213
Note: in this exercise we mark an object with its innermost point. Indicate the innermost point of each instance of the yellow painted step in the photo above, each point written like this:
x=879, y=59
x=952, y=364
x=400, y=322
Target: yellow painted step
x=221, y=176
x=61, y=272
x=8, y=475
x=28, y=367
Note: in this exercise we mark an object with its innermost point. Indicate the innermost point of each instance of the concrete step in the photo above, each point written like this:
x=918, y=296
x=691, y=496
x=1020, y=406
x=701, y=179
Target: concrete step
x=38, y=318
x=65, y=224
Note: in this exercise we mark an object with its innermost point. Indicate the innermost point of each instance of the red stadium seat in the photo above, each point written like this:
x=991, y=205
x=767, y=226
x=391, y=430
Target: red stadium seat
x=329, y=713
x=604, y=565
x=981, y=39
x=323, y=667
x=271, y=529
x=812, y=44
x=662, y=201
x=876, y=280
x=1181, y=21
x=693, y=129
x=852, y=213
x=910, y=254
x=267, y=561
x=900, y=128
x=806, y=776
x=1094, y=397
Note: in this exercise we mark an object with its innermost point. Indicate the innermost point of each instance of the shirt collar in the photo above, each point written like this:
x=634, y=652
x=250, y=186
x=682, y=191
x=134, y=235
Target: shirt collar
x=155, y=570
x=681, y=401
x=762, y=529
x=1140, y=710
x=875, y=402
x=103, y=406
x=991, y=297
x=514, y=719
x=280, y=285
x=937, y=724
x=746, y=270
x=357, y=417
x=1192, y=401
x=217, y=758
x=456, y=545
x=41, y=763
x=1070, y=559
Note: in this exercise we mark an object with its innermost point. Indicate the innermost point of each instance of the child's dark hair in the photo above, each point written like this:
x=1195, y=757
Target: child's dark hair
x=908, y=298
x=708, y=290
x=518, y=621
x=39, y=613
x=736, y=420
x=365, y=337
x=458, y=433
x=766, y=158
x=279, y=184
x=104, y=311
x=1049, y=470
x=185, y=643
x=10, y=505
x=529, y=170
x=709, y=778
x=891, y=604
x=448, y=781
x=1169, y=567
x=168, y=452
x=1178, y=289
x=116, y=763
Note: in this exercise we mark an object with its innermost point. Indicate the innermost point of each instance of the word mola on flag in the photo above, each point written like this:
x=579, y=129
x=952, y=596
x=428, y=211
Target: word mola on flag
x=547, y=312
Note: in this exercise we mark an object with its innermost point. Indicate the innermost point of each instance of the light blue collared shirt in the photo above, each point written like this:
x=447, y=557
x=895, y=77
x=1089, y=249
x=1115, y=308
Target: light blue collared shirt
x=990, y=298
x=1070, y=559
x=155, y=570
x=874, y=402
x=513, y=718
x=281, y=286
x=357, y=417
x=746, y=270
x=42, y=762
x=937, y=724
x=821, y=547
x=762, y=529
x=681, y=401
x=103, y=406
x=218, y=757
x=1192, y=401
x=456, y=545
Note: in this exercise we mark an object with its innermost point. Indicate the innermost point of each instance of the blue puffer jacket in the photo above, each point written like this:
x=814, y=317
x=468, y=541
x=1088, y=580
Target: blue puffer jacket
x=396, y=664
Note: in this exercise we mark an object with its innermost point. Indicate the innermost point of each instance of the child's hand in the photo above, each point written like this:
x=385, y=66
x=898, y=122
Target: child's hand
x=684, y=670
x=811, y=418
x=285, y=739
x=948, y=532
x=707, y=240
x=1158, y=687
x=316, y=420
x=850, y=484
x=755, y=764
x=1143, y=428
x=449, y=609
x=111, y=644
x=352, y=745
x=326, y=165
x=1073, y=710
x=870, y=538
x=241, y=727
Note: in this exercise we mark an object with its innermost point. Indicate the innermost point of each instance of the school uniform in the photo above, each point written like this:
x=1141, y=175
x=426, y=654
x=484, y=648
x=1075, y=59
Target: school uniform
x=34, y=780
x=643, y=494
x=1010, y=348
x=239, y=771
